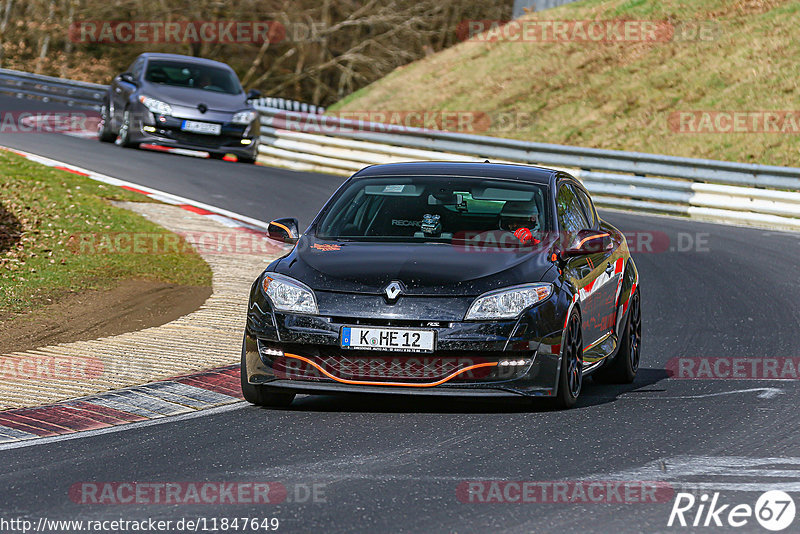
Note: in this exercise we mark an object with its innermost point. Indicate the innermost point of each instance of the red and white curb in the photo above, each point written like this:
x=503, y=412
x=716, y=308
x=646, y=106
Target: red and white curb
x=177, y=396
x=228, y=218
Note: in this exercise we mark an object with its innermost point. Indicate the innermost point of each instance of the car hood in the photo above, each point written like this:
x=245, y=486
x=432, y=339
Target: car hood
x=189, y=97
x=431, y=269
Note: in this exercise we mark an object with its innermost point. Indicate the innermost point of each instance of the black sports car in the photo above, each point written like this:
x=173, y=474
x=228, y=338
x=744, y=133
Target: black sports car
x=445, y=278
x=181, y=102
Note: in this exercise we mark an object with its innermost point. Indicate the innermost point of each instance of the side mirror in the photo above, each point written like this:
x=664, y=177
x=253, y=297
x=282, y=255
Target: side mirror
x=589, y=242
x=284, y=230
x=127, y=77
x=252, y=94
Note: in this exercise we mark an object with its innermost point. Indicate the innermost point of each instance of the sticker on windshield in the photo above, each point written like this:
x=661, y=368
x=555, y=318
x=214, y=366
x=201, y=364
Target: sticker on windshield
x=393, y=189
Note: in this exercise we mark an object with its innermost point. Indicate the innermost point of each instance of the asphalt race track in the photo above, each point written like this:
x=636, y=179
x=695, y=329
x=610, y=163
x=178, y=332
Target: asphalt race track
x=260, y=194
x=394, y=464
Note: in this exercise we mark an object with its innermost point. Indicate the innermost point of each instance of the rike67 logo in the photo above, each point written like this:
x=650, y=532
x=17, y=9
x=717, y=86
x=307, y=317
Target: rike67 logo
x=774, y=510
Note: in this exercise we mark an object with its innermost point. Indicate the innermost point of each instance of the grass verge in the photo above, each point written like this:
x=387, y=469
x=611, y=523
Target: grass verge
x=621, y=95
x=41, y=208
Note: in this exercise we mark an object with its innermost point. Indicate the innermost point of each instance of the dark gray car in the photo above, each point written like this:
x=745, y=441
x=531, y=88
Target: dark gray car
x=181, y=102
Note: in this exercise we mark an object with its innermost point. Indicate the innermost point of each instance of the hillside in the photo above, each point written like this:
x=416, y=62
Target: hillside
x=626, y=95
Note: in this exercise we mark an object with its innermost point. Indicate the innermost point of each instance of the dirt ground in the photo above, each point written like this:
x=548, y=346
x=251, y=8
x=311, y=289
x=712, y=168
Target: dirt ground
x=131, y=305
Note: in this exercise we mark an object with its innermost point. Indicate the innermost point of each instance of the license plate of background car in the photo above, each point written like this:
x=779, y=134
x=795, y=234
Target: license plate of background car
x=201, y=127
x=389, y=339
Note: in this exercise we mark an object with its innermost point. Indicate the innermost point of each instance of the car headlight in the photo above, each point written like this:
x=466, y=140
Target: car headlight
x=156, y=106
x=509, y=302
x=243, y=117
x=288, y=294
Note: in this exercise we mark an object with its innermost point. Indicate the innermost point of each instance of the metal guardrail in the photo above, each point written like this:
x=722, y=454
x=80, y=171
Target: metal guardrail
x=297, y=135
x=738, y=193
x=289, y=105
x=70, y=92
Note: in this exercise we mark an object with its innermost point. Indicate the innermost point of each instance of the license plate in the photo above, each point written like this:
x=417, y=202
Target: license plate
x=201, y=127
x=391, y=339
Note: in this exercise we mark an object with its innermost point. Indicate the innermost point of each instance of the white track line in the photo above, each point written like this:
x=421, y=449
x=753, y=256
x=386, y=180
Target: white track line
x=764, y=393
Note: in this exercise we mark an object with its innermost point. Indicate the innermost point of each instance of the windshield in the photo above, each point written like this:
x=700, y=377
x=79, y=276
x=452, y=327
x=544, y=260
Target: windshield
x=194, y=75
x=434, y=208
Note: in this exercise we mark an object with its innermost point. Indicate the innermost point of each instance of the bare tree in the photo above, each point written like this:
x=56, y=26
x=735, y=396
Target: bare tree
x=331, y=47
x=44, y=40
x=9, y=5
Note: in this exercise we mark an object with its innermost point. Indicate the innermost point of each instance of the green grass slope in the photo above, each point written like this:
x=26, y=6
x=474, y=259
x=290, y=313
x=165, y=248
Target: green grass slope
x=622, y=95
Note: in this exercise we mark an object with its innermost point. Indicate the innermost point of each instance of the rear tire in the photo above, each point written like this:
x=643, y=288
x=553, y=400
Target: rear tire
x=622, y=369
x=570, y=377
x=261, y=395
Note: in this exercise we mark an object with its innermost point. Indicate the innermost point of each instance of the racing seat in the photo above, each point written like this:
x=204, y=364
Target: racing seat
x=521, y=219
x=516, y=215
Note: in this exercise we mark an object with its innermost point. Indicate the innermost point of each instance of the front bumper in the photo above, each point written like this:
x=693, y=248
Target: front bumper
x=300, y=353
x=166, y=131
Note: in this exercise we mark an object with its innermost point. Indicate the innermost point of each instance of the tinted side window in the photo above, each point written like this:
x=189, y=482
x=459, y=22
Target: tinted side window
x=570, y=213
x=588, y=208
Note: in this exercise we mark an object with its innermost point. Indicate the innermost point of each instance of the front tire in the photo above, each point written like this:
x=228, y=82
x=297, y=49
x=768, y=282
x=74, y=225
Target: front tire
x=124, y=138
x=570, y=377
x=104, y=132
x=261, y=395
x=622, y=369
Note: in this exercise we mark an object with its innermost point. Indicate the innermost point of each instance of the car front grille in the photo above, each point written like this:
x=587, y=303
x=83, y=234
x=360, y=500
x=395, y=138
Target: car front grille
x=209, y=141
x=323, y=363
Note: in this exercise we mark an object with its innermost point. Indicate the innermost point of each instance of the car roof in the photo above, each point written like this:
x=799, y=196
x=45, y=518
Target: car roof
x=187, y=59
x=523, y=173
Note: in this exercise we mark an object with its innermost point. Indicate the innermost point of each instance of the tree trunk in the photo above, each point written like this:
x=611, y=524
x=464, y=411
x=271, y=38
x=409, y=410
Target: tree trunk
x=9, y=4
x=68, y=42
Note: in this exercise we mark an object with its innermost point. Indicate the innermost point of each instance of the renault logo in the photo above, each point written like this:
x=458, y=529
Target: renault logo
x=393, y=291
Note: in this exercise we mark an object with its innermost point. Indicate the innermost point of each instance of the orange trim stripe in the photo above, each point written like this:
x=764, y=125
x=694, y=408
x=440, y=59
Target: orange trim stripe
x=279, y=225
x=585, y=239
x=369, y=383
